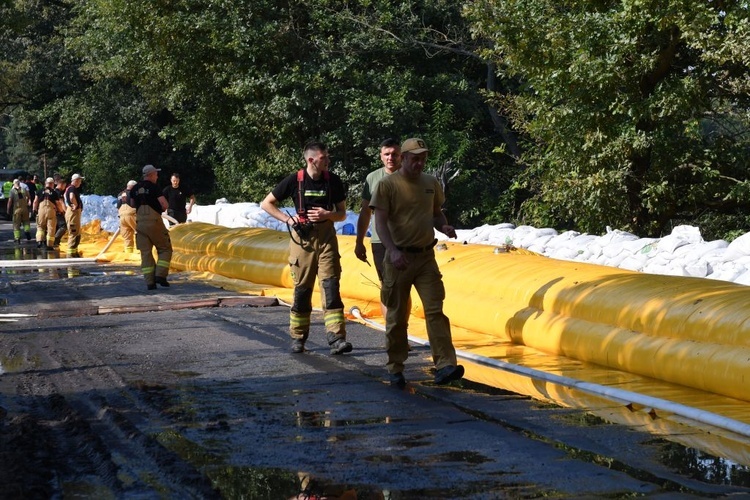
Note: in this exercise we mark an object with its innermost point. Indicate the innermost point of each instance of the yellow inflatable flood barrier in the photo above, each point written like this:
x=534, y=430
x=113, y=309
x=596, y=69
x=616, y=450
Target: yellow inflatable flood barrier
x=688, y=331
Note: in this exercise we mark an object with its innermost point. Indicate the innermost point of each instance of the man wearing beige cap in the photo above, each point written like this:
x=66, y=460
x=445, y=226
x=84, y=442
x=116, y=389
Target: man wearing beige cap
x=47, y=204
x=149, y=203
x=73, y=210
x=408, y=210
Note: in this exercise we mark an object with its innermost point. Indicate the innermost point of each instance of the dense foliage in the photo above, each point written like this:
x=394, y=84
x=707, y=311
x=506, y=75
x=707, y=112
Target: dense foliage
x=632, y=114
x=636, y=111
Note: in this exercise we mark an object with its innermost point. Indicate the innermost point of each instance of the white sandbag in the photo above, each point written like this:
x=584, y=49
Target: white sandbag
x=670, y=243
x=204, y=213
x=739, y=247
x=539, y=244
x=532, y=237
x=562, y=253
x=697, y=269
x=562, y=240
x=743, y=278
x=634, y=262
x=726, y=271
x=691, y=234
x=639, y=245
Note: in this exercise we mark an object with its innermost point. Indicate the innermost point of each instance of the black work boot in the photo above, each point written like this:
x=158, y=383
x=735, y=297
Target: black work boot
x=448, y=374
x=338, y=344
x=298, y=346
x=397, y=380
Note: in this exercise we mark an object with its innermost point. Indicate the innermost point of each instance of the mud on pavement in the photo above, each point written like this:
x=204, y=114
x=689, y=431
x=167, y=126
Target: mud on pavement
x=111, y=391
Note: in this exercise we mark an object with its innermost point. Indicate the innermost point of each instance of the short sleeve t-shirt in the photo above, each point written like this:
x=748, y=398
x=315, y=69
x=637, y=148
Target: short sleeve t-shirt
x=318, y=193
x=48, y=194
x=146, y=193
x=177, y=197
x=411, y=205
x=368, y=189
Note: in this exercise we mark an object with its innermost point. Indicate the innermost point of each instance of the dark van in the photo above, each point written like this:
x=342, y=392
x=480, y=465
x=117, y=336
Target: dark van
x=5, y=176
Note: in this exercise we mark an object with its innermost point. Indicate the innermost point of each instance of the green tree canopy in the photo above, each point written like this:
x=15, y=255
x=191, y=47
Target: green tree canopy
x=249, y=82
x=635, y=111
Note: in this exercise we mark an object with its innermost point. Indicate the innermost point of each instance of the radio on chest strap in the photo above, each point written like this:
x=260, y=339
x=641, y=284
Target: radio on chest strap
x=301, y=205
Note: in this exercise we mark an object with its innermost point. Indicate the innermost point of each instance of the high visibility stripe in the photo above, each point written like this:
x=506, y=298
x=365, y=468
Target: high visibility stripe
x=333, y=318
x=162, y=263
x=297, y=320
x=147, y=270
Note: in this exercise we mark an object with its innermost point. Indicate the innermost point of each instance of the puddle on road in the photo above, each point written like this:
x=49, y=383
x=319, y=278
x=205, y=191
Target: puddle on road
x=702, y=466
x=30, y=252
x=46, y=262
x=684, y=460
x=323, y=419
x=43, y=262
x=274, y=483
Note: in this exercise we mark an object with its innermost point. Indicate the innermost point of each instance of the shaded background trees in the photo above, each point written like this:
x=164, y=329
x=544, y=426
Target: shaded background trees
x=636, y=112
x=570, y=115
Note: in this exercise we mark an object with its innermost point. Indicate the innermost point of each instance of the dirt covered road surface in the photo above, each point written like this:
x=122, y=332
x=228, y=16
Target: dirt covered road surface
x=108, y=390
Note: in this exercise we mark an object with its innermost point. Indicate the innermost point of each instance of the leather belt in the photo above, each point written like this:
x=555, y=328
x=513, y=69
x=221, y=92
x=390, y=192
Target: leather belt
x=418, y=249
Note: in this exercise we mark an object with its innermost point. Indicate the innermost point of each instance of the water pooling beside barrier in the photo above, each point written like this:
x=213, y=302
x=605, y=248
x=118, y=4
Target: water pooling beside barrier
x=658, y=421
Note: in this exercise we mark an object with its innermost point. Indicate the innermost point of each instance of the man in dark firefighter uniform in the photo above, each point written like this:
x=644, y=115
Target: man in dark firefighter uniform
x=320, y=200
x=149, y=203
x=46, y=205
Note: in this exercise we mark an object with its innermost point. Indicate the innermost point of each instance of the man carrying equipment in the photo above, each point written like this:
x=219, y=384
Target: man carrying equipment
x=320, y=200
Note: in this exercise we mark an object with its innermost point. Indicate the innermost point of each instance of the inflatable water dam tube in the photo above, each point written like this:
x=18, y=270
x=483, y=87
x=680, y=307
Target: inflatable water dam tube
x=688, y=331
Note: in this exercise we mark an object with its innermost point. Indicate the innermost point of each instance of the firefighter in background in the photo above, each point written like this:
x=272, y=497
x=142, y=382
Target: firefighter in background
x=18, y=205
x=73, y=211
x=320, y=200
x=127, y=218
x=60, y=186
x=46, y=205
x=149, y=203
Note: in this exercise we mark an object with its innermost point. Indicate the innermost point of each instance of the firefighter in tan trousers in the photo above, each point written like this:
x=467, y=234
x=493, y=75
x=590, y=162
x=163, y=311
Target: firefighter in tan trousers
x=320, y=200
x=47, y=204
x=18, y=205
x=149, y=203
x=127, y=218
x=73, y=211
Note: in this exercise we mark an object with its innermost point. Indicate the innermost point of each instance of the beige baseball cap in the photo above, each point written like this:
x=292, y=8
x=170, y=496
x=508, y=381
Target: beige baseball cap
x=414, y=145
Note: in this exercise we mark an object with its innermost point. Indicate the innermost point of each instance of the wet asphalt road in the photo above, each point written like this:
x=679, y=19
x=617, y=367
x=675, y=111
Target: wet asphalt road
x=191, y=392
